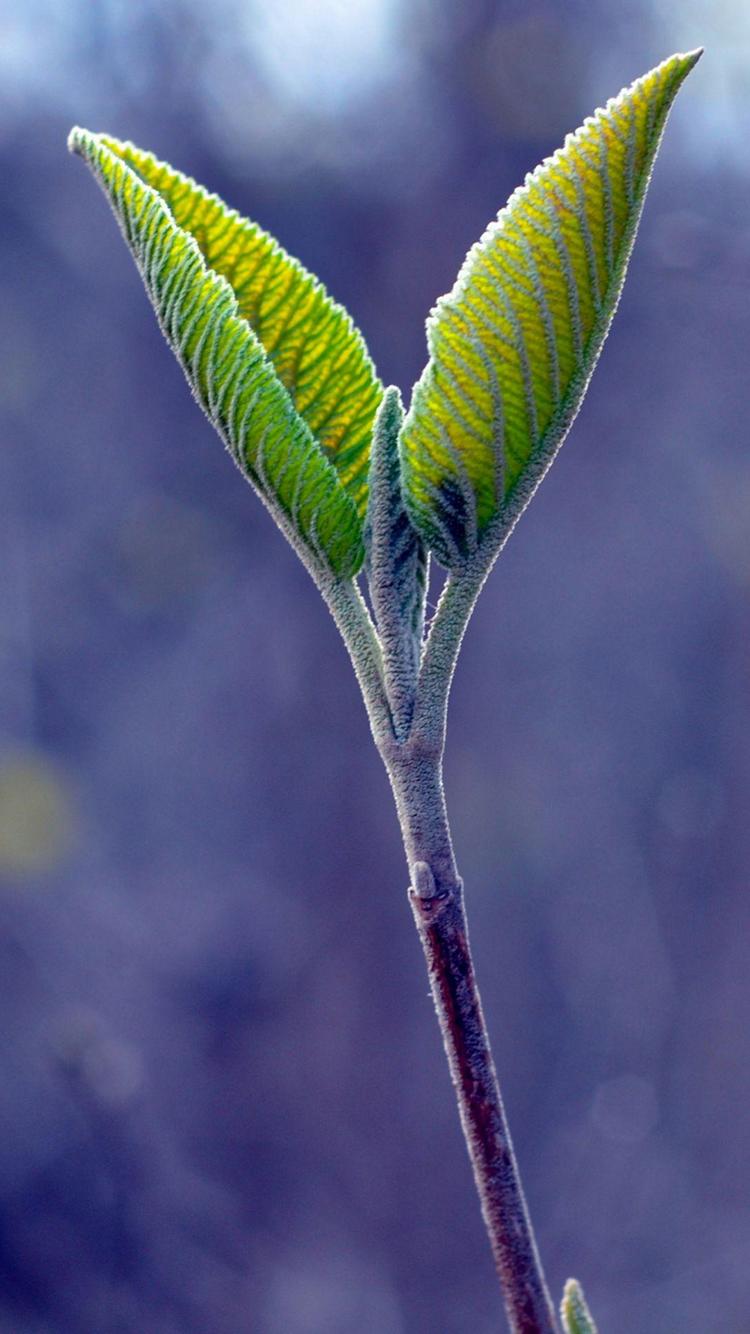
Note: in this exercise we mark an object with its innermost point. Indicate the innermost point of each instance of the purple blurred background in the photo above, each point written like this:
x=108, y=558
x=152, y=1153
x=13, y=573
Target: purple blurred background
x=223, y=1103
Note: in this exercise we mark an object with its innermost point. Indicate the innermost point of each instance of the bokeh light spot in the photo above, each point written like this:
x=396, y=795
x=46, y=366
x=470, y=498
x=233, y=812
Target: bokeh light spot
x=36, y=814
x=324, y=53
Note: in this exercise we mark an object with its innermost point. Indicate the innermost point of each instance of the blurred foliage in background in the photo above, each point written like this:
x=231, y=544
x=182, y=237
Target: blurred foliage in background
x=216, y=1110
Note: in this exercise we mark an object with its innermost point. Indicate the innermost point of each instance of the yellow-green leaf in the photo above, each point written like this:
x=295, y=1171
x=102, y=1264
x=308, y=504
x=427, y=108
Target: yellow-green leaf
x=278, y=368
x=575, y=1314
x=512, y=347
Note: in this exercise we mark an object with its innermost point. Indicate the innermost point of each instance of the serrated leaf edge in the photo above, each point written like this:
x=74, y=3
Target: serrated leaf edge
x=545, y=451
x=85, y=144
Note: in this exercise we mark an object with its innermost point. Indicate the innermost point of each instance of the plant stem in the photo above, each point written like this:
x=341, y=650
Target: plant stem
x=414, y=767
x=436, y=897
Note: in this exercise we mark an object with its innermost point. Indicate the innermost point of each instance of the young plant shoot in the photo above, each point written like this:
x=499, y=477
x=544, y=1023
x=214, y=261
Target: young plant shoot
x=366, y=492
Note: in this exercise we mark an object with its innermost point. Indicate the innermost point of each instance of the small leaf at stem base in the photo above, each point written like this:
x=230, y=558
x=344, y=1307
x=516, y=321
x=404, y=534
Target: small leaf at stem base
x=576, y=1317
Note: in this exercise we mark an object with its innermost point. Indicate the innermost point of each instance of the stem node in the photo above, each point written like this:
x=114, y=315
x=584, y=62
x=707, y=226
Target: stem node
x=428, y=903
x=436, y=899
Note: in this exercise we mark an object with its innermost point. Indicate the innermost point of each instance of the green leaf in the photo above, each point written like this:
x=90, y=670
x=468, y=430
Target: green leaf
x=276, y=365
x=513, y=346
x=396, y=563
x=576, y=1317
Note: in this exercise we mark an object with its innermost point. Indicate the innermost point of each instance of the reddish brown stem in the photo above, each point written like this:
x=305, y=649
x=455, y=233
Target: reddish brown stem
x=436, y=897
x=441, y=923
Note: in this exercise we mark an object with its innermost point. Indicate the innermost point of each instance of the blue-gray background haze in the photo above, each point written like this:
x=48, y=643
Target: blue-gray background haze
x=223, y=1103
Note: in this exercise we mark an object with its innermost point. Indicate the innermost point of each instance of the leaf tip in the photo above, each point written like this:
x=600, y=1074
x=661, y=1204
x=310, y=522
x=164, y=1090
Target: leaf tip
x=691, y=58
x=576, y=1317
x=391, y=408
x=683, y=62
x=78, y=140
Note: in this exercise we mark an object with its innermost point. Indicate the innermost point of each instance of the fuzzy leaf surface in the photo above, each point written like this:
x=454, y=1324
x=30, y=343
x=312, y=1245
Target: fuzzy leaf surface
x=513, y=346
x=277, y=366
x=576, y=1317
x=396, y=562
